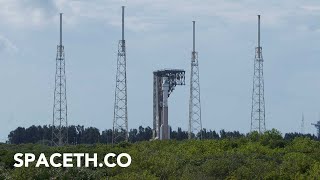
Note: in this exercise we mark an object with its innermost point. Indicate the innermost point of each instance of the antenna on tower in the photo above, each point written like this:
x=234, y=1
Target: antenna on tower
x=195, y=124
x=120, y=120
x=60, y=29
x=122, y=23
x=258, y=103
x=194, y=36
x=60, y=122
x=258, y=30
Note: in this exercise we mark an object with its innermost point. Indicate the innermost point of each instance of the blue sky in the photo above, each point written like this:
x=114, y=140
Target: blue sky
x=159, y=35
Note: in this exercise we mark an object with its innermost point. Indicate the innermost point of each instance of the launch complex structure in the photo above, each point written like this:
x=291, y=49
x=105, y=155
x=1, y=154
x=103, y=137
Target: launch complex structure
x=164, y=83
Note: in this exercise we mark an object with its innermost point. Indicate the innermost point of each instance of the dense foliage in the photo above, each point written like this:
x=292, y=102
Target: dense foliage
x=254, y=156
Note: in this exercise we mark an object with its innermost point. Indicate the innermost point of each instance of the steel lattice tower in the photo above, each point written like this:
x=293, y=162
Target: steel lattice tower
x=195, y=126
x=120, y=121
x=258, y=104
x=60, y=122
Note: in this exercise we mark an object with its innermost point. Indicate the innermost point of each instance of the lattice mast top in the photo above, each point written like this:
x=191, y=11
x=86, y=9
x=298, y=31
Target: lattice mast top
x=302, y=124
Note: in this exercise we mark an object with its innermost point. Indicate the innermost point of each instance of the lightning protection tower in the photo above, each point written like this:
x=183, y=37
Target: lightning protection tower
x=258, y=103
x=60, y=122
x=120, y=120
x=302, y=124
x=195, y=126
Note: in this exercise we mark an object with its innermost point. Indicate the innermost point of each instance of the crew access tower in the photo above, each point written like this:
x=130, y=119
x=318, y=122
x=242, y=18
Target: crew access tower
x=164, y=82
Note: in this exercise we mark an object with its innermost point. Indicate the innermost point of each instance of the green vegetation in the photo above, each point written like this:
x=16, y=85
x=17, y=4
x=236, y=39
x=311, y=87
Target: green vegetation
x=254, y=156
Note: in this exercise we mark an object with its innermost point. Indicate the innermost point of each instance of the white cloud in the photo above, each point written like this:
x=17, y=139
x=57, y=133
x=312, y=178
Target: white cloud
x=26, y=13
x=6, y=45
x=142, y=15
x=145, y=14
x=311, y=8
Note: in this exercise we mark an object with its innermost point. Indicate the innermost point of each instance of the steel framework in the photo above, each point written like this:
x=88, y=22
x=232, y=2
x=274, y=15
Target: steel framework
x=120, y=120
x=60, y=121
x=258, y=103
x=164, y=82
x=195, y=125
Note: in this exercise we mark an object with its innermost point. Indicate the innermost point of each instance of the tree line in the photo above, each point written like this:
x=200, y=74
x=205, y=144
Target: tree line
x=254, y=156
x=91, y=135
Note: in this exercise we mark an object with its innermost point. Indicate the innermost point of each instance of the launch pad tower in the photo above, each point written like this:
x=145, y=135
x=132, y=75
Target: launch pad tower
x=164, y=82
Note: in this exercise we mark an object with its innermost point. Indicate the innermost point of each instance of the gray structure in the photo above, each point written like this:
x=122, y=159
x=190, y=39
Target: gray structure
x=195, y=125
x=120, y=118
x=164, y=82
x=302, y=124
x=258, y=104
x=60, y=121
x=317, y=126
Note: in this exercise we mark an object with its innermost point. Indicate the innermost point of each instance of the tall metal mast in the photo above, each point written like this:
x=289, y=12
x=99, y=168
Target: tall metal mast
x=60, y=122
x=302, y=124
x=195, y=125
x=258, y=103
x=120, y=121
